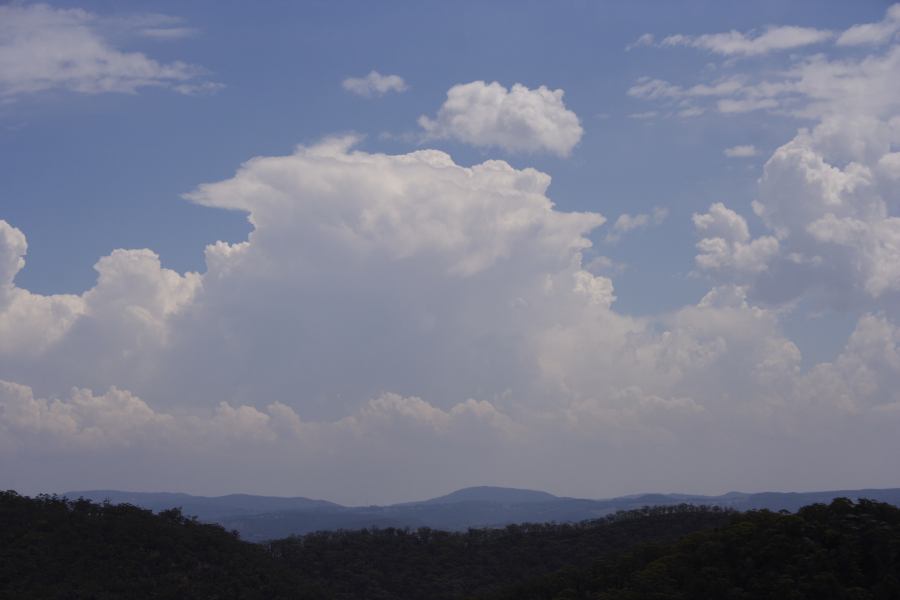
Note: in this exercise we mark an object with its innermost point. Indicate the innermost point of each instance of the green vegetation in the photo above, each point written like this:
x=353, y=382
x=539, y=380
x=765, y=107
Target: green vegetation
x=56, y=548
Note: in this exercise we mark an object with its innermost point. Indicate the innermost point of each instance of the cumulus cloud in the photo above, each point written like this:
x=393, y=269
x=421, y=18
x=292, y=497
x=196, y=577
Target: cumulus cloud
x=827, y=200
x=374, y=84
x=44, y=48
x=741, y=151
x=727, y=246
x=12, y=252
x=517, y=119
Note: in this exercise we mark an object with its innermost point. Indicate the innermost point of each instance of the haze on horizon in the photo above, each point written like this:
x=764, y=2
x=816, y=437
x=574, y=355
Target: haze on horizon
x=329, y=259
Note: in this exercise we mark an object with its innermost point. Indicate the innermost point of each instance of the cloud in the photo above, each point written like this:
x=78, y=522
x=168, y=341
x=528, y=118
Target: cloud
x=691, y=111
x=873, y=33
x=735, y=43
x=727, y=246
x=154, y=26
x=452, y=335
x=826, y=199
x=168, y=33
x=12, y=252
x=646, y=39
x=745, y=105
x=625, y=222
x=653, y=89
x=811, y=87
x=44, y=48
x=374, y=84
x=517, y=119
x=742, y=151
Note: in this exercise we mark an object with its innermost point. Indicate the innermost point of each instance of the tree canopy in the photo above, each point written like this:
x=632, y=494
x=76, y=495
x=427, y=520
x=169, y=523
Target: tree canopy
x=52, y=547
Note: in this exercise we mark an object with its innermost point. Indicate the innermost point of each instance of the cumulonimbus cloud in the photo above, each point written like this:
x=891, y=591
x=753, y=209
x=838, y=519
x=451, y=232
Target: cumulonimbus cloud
x=452, y=323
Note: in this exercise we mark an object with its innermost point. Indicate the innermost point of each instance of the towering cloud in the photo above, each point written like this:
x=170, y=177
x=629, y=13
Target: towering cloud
x=452, y=323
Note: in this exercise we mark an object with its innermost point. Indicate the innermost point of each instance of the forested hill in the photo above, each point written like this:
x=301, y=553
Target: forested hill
x=51, y=548
x=55, y=548
x=842, y=551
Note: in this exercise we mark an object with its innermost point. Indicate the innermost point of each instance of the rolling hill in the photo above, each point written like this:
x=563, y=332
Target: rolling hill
x=259, y=518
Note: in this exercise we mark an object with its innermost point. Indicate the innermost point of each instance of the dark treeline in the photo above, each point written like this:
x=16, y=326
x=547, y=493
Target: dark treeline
x=841, y=551
x=51, y=547
x=390, y=564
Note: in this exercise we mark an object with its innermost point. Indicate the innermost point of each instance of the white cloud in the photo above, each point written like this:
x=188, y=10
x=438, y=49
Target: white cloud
x=691, y=111
x=168, y=33
x=654, y=89
x=735, y=43
x=28, y=322
x=12, y=252
x=742, y=151
x=44, y=48
x=375, y=84
x=453, y=324
x=626, y=222
x=818, y=86
x=646, y=39
x=153, y=26
x=873, y=33
x=517, y=120
x=826, y=198
x=114, y=418
x=744, y=105
x=727, y=246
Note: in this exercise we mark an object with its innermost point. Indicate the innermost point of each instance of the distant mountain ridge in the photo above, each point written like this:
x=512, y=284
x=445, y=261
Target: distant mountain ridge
x=268, y=517
x=487, y=493
x=207, y=508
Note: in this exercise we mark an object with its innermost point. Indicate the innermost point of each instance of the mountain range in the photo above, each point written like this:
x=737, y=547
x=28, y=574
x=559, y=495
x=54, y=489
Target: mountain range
x=259, y=518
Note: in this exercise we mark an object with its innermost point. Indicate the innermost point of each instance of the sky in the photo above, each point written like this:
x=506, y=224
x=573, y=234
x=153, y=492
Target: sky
x=374, y=252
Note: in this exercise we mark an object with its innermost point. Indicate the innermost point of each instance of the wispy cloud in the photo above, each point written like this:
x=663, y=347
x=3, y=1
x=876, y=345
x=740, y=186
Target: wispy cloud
x=626, y=223
x=735, y=43
x=43, y=48
x=870, y=34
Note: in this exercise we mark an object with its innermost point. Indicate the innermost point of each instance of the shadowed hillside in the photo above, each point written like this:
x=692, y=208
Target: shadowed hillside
x=56, y=548
x=837, y=551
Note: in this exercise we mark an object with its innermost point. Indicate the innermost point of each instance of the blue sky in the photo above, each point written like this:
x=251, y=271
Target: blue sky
x=88, y=170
